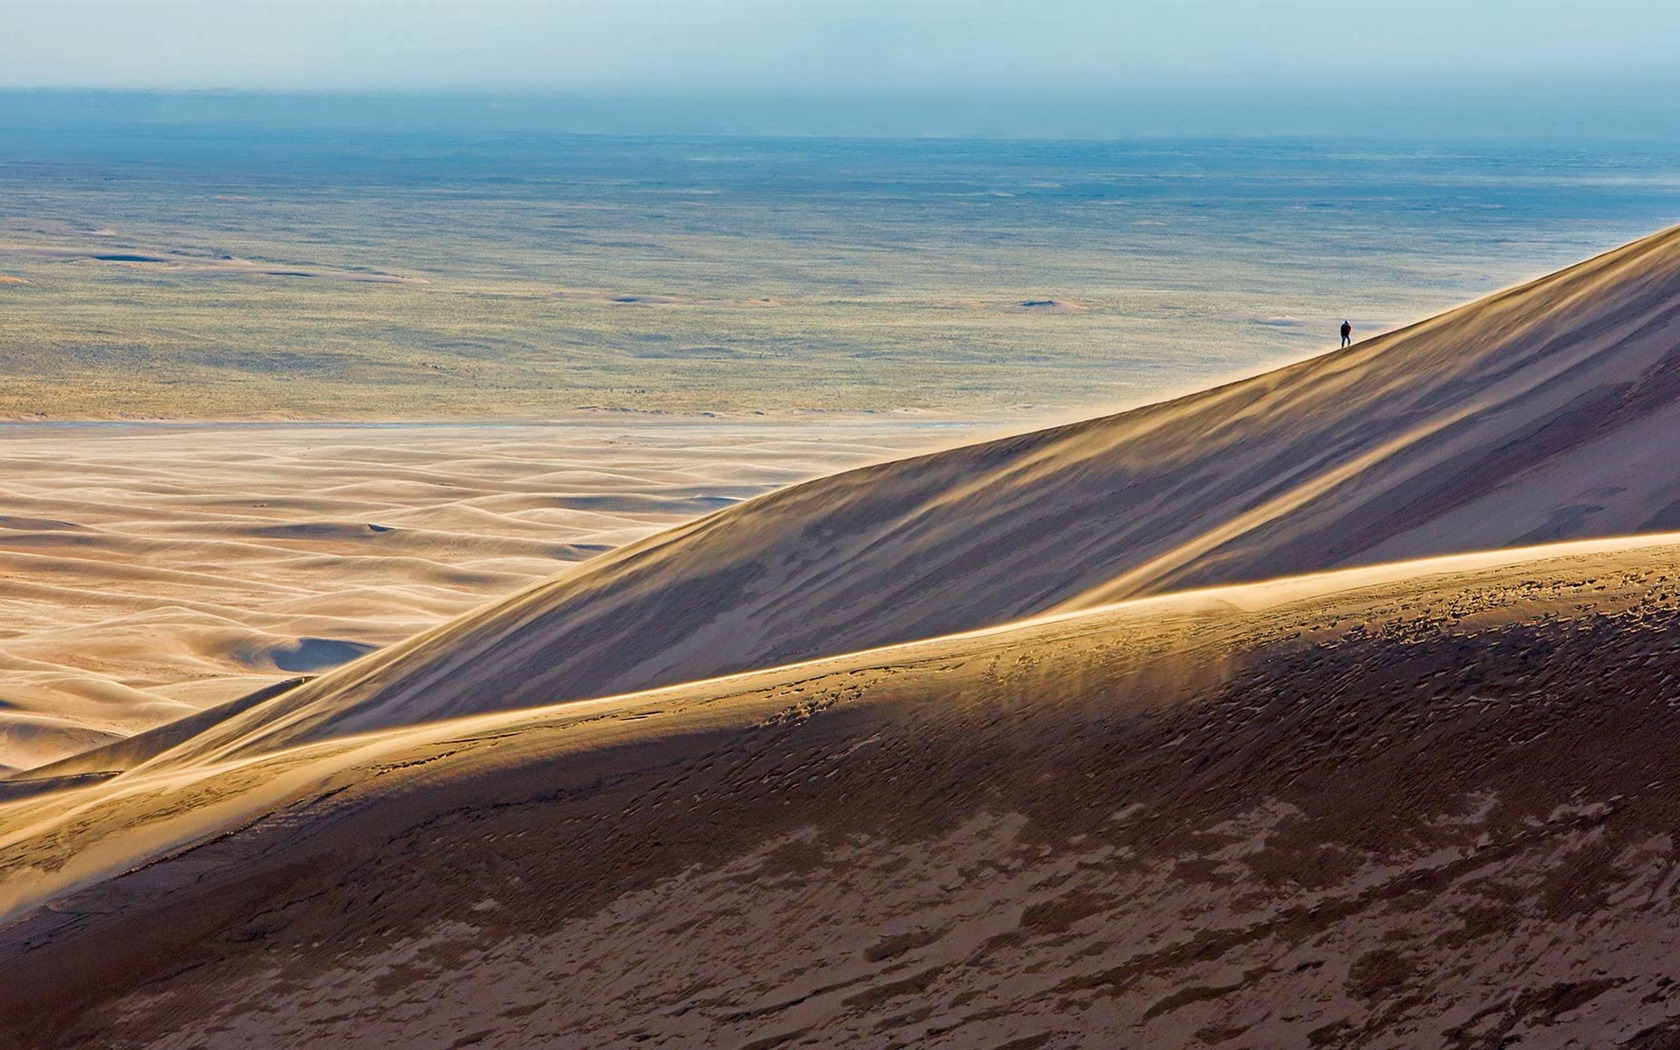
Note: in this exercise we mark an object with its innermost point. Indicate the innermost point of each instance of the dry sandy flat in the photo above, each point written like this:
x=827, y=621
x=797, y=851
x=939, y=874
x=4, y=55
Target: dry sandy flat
x=1542, y=413
x=147, y=571
x=1424, y=805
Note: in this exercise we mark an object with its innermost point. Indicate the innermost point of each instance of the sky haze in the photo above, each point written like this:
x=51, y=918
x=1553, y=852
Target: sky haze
x=846, y=66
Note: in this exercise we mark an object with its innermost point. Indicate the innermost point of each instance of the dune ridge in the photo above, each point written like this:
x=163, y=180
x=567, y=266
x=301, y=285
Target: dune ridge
x=1154, y=821
x=1533, y=415
x=1333, y=707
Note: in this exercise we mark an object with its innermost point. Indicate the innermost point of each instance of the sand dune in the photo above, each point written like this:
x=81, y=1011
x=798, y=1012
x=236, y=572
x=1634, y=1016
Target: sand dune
x=1357, y=809
x=1132, y=732
x=1538, y=414
x=149, y=571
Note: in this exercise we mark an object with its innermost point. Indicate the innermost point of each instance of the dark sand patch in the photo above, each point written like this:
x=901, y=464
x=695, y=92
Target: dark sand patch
x=658, y=299
x=196, y=264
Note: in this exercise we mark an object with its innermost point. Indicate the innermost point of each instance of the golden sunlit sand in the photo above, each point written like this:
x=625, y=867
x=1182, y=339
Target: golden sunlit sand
x=1150, y=823
x=1332, y=707
x=1531, y=416
x=147, y=572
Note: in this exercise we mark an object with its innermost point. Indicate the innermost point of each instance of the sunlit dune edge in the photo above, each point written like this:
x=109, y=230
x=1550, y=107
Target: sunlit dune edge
x=1125, y=801
x=1538, y=414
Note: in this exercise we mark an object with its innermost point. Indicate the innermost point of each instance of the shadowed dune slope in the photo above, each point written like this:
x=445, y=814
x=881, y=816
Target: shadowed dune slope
x=1542, y=413
x=1427, y=804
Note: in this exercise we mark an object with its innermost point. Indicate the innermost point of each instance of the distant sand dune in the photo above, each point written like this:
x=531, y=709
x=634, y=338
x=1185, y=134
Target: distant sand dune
x=146, y=572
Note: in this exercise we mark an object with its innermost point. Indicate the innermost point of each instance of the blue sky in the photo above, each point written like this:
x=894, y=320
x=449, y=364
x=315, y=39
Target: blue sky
x=817, y=47
x=1530, y=56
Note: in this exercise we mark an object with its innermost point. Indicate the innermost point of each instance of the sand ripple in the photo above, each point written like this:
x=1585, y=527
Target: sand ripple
x=148, y=571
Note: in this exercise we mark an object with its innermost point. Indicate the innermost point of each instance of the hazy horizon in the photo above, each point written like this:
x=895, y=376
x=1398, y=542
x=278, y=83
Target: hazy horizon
x=1647, y=113
x=1005, y=69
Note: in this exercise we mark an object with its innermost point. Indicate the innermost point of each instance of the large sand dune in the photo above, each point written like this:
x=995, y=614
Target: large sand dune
x=149, y=571
x=1135, y=732
x=1542, y=413
x=1421, y=805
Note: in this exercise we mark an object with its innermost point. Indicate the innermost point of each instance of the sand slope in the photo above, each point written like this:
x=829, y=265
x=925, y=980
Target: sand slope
x=1420, y=805
x=1538, y=414
x=1410, y=803
x=148, y=571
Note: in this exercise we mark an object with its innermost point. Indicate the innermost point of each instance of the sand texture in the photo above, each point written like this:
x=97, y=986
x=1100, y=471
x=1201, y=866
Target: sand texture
x=149, y=571
x=1535, y=415
x=1426, y=806
x=1329, y=708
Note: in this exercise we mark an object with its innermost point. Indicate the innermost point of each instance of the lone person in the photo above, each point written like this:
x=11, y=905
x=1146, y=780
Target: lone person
x=1347, y=333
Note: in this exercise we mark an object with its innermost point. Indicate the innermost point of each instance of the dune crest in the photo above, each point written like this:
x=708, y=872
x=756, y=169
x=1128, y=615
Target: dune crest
x=1308, y=710
x=1537, y=414
x=1148, y=824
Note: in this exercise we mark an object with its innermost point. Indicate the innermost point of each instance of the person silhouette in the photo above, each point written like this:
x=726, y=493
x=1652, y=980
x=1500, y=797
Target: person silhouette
x=1347, y=333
